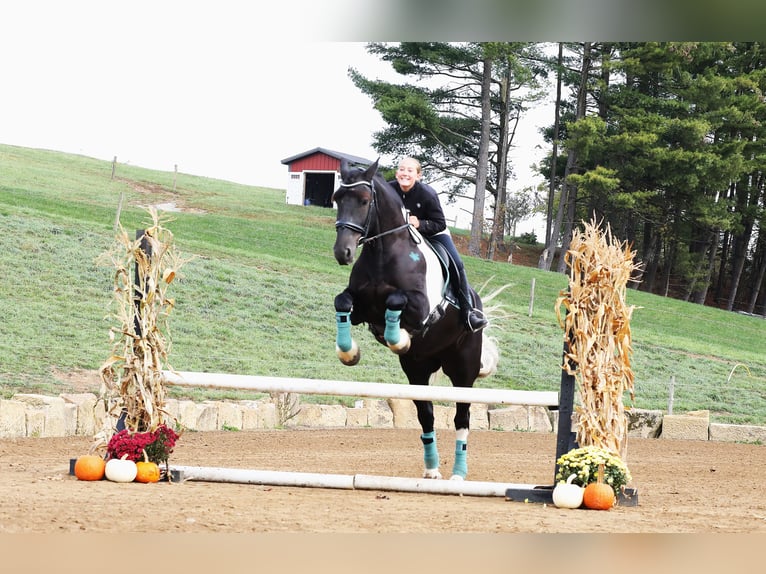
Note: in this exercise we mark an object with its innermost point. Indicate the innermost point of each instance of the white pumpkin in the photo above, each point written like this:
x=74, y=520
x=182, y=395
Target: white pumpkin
x=568, y=495
x=121, y=469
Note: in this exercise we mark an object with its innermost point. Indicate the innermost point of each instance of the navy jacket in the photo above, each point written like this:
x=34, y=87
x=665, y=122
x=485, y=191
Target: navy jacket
x=422, y=202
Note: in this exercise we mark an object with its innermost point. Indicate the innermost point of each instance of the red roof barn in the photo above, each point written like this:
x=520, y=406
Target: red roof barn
x=314, y=175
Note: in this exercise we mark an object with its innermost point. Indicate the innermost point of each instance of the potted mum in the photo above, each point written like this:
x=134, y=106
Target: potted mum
x=583, y=462
x=158, y=444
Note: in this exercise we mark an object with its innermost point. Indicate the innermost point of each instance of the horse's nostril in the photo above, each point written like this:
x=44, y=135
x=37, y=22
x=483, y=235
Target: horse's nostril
x=344, y=255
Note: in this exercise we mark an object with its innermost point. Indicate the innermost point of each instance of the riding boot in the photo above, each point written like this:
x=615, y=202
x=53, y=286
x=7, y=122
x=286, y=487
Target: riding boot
x=473, y=318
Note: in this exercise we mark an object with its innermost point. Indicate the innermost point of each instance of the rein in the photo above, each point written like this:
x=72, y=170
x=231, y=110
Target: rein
x=364, y=230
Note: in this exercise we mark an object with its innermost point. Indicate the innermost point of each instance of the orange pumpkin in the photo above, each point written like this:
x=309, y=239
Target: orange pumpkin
x=89, y=467
x=599, y=495
x=147, y=471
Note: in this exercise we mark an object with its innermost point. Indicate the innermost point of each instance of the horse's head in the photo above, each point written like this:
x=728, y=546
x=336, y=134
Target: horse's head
x=355, y=199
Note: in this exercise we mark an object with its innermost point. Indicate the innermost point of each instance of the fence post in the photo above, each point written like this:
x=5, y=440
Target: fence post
x=671, y=392
x=119, y=211
x=531, y=298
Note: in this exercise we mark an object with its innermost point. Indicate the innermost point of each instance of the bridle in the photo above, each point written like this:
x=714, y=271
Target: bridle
x=364, y=230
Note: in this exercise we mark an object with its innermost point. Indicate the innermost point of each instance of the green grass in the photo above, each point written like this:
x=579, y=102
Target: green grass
x=258, y=296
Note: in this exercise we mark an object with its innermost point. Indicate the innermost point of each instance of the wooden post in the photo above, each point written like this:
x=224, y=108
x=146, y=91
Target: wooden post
x=119, y=211
x=138, y=294
x=114, y=166
x=175, y=175
x=566, y=440
x=531, y=298
x=671, y=393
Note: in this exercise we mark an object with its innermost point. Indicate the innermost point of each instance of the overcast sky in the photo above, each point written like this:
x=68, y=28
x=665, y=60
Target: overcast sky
x=217, y=91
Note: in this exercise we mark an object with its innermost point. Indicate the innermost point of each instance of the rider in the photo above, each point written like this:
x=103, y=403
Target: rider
x=426, y=215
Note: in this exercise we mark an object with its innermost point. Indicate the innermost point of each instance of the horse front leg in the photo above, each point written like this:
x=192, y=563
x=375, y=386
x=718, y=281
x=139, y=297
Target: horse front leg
x=345, y=347
x=397, y=339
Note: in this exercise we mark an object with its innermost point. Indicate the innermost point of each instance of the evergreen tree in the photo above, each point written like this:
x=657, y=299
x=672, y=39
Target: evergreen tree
x=461, y=93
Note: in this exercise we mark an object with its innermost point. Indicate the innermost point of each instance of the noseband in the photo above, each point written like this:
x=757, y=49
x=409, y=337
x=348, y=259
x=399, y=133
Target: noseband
x=365, y=229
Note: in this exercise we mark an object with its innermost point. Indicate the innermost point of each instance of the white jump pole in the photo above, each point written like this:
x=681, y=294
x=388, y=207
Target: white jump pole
x=272, y=477
x=431, y=486
x=345, y=481
x=358, y=389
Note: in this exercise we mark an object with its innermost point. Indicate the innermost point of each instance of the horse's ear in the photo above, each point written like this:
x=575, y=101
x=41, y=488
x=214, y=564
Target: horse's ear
x=343, y=169
x=371, y=171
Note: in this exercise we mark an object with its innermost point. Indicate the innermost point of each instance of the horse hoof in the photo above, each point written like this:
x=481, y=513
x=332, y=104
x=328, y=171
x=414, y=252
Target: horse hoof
x=457, y=477
x=399, y=350
x=432, y=473
x=350, y=361
x=351, y=357
x=403, y=345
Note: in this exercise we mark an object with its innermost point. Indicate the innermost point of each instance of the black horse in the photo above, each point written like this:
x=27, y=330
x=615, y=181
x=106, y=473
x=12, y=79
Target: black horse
x=400, y=287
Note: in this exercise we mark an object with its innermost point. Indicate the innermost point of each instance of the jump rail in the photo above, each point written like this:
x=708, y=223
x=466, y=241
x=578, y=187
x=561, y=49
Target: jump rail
x=520, y=492
x=358, y=389
x=344, y=481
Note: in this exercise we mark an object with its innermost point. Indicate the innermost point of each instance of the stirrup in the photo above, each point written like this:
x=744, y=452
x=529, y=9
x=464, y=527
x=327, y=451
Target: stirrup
x=476, y=320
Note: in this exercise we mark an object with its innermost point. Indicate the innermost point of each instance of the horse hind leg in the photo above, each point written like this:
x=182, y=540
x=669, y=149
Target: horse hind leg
x=430, y=455
x=428, y=438
x=460, y=465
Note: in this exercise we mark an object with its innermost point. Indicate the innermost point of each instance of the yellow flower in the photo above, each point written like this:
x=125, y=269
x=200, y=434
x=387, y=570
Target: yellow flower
x=584, y=462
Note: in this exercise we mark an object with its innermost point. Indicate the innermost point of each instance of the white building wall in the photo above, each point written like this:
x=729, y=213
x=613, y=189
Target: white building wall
x=295, y=187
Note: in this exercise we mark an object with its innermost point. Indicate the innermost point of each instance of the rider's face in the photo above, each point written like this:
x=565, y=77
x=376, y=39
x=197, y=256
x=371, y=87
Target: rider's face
x=408, y=174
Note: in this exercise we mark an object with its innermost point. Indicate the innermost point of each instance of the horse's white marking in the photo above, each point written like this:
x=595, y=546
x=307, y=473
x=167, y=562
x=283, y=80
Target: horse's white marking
x=404, y=343
x=434, y=277
x=350, y=357
x=432, y=473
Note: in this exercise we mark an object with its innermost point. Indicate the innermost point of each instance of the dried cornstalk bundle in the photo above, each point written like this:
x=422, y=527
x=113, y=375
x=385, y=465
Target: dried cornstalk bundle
x=131, y=377
x=597, y=331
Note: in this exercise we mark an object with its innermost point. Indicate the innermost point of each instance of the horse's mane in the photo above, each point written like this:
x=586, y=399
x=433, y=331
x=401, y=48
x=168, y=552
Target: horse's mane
x=387, y=188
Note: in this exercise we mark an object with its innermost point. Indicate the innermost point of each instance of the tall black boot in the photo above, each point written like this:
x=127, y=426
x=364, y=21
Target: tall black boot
x=473, y=318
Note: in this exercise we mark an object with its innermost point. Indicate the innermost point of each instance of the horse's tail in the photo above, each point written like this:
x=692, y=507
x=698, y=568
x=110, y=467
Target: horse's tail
x=490, y=353
x=490, y=356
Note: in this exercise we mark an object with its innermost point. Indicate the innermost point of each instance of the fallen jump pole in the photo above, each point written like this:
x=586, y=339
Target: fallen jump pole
x=344, y=481
x=358, y=389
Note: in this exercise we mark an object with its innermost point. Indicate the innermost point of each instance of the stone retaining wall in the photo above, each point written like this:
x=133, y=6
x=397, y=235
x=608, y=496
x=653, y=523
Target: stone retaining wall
x=31, y=415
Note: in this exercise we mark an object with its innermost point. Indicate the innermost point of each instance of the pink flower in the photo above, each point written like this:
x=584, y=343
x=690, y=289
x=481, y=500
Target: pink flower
x=158, y=444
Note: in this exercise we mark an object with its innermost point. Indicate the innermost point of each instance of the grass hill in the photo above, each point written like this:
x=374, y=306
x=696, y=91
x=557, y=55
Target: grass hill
x=258, y=296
